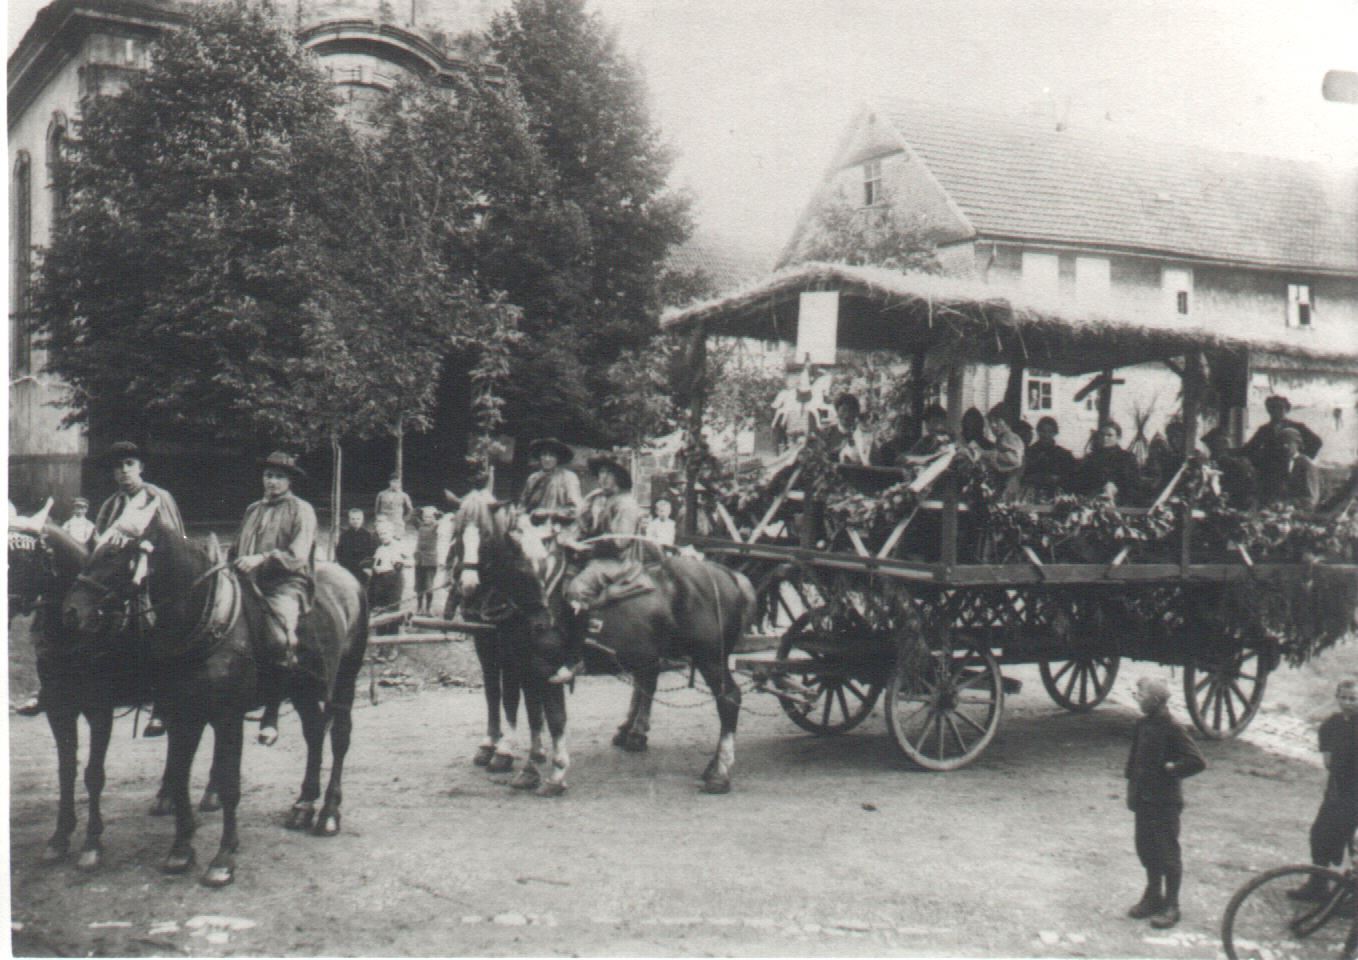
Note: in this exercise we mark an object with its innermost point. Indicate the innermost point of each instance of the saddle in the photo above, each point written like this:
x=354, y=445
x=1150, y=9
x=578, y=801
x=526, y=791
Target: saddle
x=638, y=583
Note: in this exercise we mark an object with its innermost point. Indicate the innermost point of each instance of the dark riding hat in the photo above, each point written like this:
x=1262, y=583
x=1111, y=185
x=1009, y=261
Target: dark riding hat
x=278, y=460
x=601, y=463
x=552, y=445
x=848, y=400
x=123, y=450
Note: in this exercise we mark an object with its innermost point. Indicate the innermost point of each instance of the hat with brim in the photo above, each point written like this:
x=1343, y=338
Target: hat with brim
x=552, y=445
x=123, y=450
x=286, y=462
x=1276, y=399
x=601, y=463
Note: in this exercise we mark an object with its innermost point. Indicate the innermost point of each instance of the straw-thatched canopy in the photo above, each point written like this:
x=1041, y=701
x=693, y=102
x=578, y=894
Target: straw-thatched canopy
x=881, y=309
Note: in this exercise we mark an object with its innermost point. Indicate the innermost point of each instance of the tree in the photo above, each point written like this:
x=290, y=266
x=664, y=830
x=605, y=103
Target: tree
x=881, y=235
x=586, y=107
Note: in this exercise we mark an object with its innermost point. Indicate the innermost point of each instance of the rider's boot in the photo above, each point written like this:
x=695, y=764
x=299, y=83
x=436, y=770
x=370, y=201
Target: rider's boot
x=575, y=649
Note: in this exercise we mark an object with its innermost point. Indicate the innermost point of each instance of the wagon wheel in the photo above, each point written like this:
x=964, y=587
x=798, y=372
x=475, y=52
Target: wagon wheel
x=833, y=697
x=782, y=595
x=1081, y=683
x=1086, y=672
x=1224, y=696
x=943, y=706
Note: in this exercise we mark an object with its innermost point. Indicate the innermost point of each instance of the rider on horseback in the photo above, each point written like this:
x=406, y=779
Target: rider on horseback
x=610, y=511
x=276, y=547
x=553, y=486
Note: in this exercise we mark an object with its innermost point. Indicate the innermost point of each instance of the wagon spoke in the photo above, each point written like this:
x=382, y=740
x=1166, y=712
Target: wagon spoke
x=1070, y=686
x=1065, y=668
x=963, y=715
x=825, y=715
x=853, y=688
x=843, y=703
x=961, y=743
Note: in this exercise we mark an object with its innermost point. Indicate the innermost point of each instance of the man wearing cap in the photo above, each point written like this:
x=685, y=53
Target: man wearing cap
x=1301, y=479
x=128, y=460
x=276, y=548
x=1265, y=449
x=610, y=510
x=849, y=440
x=553, y=486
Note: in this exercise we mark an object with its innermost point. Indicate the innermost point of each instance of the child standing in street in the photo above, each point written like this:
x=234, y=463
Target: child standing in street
x=388, y=578
x=426, y=559
x=1338, y=815
x=1162, y=755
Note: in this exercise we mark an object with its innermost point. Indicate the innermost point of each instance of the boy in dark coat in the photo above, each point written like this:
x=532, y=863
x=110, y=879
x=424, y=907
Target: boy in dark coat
x=1162, y=755
x=1338, y=815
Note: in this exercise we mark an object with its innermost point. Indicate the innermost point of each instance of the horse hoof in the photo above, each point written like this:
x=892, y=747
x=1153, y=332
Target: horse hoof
x=163, y=807
x=620, y=737
x=155, y=727
x=538, y=756
x=268, y=736
x=179, y=861
x=710, y=770
x=527, y=779
x=91, y=858
x=500, y=763
x=483, y=755
x=301, y=817
x=716, y=786
x=634, y=743
x=210, y=803
x=218, y=875
x=552, y=788
x=55, y=851
x=327, y=825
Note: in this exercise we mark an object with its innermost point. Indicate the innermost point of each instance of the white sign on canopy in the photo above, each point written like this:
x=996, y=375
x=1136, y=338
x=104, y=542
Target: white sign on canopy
x=818, y=327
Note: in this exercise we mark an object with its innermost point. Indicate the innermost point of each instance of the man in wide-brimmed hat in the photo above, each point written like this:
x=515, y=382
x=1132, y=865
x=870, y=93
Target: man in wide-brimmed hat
x=128, y=461
x=612, y=519
x=1265, y=449
x=553, y=486
x=276, y=548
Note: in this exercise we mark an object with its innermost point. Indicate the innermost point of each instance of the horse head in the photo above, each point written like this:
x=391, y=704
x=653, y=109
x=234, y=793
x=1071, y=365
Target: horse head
x=117, y=569
x=43, y=561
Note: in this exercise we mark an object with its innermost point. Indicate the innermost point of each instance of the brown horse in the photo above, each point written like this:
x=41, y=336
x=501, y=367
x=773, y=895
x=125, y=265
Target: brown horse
x=205, y=653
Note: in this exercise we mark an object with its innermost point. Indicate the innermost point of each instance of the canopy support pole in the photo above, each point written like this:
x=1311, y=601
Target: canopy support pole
x=1013, y=390
x=1193, y=381
x=697, y=368
x=949, y=526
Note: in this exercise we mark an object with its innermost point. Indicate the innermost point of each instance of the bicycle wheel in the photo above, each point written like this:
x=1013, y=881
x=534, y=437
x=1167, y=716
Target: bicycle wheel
x=1263, y=923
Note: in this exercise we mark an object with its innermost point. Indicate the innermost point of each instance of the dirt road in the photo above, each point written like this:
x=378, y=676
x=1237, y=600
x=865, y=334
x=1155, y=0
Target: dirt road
x=826, y=846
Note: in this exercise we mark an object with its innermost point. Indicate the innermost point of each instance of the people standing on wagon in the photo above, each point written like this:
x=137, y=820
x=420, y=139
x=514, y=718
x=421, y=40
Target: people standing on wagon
x=610, y=510
x=553, y=486
x=1238, y=480
x=905, y=435
x=935, y=439
x=1265, y=449
x=276, y=549
x=79, y=526
x=1047, y=466
x=660, y=526
x=354, y=551
x=973, y=430
x=1301, y=479
x=393, y=505
x=1109, y=470
x=1003, y=458
x=426, y=559
x=849, y=440
x=1338, y=815
x=1162, y=755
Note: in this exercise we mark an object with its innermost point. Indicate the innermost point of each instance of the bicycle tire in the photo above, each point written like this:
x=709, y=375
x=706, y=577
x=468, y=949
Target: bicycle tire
x=1262, y=923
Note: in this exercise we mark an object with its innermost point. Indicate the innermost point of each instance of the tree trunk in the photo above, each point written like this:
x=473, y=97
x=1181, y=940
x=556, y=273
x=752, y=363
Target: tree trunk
x=400, y=448
x=336, y=491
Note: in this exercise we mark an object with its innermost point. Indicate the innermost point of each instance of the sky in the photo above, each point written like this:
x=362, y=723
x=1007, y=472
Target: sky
x=752, y=95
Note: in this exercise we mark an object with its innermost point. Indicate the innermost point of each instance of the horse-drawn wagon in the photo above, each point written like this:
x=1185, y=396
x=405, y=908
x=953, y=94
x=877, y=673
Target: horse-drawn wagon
x=923, y=583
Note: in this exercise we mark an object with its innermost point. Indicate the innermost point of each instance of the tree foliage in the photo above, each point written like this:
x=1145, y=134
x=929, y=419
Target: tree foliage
x=881, y=235
x=586, y=107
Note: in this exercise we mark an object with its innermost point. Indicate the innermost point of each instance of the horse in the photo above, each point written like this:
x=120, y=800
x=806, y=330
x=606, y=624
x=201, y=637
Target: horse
x=687, y=608
x=503, y=651
x=78, y=678
x=205, y=649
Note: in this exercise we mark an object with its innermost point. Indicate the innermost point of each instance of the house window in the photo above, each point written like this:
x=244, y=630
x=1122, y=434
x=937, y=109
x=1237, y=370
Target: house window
x=1178, y=286
x=21, y=263
x=56, y=163
x=1041, y=273
x=872, y=183
x=1300, y=306
x=1039, y=390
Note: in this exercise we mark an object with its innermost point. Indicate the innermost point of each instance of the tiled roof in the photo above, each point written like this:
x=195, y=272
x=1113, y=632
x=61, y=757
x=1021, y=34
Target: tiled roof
x=1025, y=179
x=726, y=263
